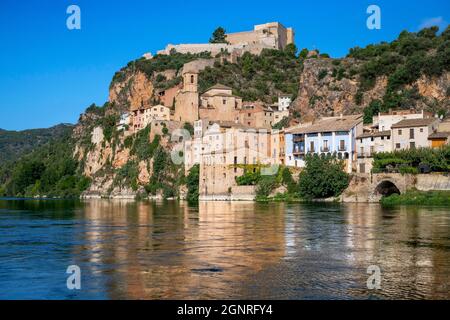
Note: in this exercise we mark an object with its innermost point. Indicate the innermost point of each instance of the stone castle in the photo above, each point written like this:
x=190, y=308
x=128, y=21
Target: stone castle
x=272, y=35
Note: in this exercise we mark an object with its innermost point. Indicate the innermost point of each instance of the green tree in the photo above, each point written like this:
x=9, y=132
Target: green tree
x=323, y=177
x=192, y=181
x=218, y=36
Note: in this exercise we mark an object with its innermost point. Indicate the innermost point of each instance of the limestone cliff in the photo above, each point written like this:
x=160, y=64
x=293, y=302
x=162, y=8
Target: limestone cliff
x=323, y=91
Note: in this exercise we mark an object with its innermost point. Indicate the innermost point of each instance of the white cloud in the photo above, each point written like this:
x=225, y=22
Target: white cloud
x=436, y=21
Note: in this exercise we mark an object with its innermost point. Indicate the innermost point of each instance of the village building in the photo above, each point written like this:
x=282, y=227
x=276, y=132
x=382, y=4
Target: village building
x=124, y=121
x=281, y=108
x=333, y=135
x=441, y=136
x=278, y=147
x=370, y=143
x=219, y=103
x=256, y=115
x=143, y=116
x=413, y=133
x=384, y=120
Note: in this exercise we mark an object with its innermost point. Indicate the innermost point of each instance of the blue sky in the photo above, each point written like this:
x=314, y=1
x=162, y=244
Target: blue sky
x=50, y=74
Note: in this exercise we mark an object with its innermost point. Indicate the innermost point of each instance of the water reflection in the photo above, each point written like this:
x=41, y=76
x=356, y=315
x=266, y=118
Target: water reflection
x=157, y=250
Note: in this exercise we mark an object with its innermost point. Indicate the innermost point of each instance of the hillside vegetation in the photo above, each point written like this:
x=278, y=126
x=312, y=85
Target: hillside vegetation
x=14, y=144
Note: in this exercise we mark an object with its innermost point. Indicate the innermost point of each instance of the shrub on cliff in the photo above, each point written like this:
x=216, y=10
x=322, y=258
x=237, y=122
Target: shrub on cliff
x=323, y=177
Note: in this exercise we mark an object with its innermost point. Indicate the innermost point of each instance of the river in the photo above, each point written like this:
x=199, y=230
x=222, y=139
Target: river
x=221, y=250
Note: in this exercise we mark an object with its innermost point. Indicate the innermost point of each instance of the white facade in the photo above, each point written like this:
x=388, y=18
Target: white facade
x=284, y=102
x=384, y=121
x=124, y=121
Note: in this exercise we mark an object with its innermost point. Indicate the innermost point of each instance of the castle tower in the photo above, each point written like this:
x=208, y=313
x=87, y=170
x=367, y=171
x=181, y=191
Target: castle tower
x=187, y=100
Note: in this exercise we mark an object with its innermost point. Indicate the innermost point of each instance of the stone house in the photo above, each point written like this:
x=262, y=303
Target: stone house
x=219, y=103
x=413, y=133
x=441, y=136
x=256, y=115
x=369, y=143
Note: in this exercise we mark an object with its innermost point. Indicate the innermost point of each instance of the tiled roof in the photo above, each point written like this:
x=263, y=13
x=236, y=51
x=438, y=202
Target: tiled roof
x=375, y=134
x=439, y=135
x=219, y=86
x=344, y=123
x=414, y=123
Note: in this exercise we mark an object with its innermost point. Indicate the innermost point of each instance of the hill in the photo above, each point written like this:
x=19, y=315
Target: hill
x=14, y=144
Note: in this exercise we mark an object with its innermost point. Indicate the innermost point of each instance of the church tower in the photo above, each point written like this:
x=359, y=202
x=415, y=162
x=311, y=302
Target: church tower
x=187, y=100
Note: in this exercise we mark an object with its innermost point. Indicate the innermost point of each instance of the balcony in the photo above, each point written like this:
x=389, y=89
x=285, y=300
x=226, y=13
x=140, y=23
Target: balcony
x=298, y=139
x=298, y=152
x=325, y=149
x=342, y=148
x=362, y=155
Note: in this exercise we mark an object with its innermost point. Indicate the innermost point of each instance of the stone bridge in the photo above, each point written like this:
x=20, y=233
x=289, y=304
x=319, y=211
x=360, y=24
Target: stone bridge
x=371, y=187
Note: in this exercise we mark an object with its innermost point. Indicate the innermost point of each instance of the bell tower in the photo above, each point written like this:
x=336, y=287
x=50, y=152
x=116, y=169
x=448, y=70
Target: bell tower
x=190, y=82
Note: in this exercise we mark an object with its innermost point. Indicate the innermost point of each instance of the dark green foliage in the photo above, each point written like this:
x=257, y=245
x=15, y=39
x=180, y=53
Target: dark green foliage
x=142, y=147
x=418, y=198
x=288, y=180
x=322, y=74
x=108, y=124
x=250, y=177
x=323, y=177
x=303, y=54
x=283, y=123
x=218, y=36
x=255, y=77
x=188, y=126
x=158, y=63
x=49, y=171
x=403, y=61
x=127, y=175
x=14, y=144
x=128, y=142
x=371, y=110
x=408, y=161
x=266, y=185
x=192, y=182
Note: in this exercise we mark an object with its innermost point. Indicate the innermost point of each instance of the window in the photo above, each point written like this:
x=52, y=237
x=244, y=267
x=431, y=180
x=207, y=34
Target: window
x=249, y=115
x=397, y=145
x=192, y=78
x=311, y=146
x=411, y=133
x=341, y=144
x=421, y=129
x=399, y=132
x=224, y=101
x=412, y=145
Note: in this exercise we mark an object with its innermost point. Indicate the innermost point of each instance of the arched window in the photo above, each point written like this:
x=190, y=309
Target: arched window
x=192, y=78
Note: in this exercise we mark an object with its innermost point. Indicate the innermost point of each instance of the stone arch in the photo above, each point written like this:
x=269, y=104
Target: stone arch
x=386, y=188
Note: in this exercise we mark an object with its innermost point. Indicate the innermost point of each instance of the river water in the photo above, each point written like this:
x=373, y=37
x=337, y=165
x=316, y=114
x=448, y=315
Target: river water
x=222, y=250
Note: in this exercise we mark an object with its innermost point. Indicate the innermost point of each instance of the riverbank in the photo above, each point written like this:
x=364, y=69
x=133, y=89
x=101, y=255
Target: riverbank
x=416, y=197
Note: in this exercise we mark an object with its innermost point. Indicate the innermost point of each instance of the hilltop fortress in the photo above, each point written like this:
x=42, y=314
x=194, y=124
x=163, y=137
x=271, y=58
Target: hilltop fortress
x=272, y=35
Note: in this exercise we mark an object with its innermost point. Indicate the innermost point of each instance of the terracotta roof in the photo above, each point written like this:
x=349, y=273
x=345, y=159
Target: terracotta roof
x=439, y=135
x=375, y=134
x=344, y=123
x=219, y=94
x=219, y=86
x=414, y=123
